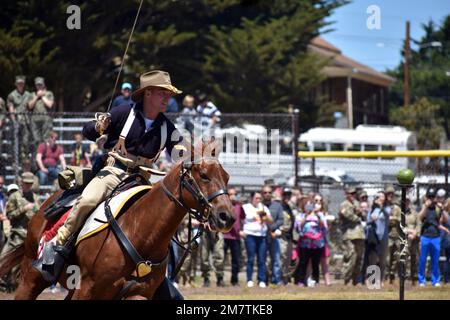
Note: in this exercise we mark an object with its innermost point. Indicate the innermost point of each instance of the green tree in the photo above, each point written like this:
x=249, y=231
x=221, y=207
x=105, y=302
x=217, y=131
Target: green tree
x=187, y=37
x=430, y=72
x=422, y=118
x=262, y=65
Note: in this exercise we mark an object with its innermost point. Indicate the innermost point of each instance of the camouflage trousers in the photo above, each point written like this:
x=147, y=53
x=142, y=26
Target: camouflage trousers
x=286, y=254
x=212, y=247
x=353, y=257
x=189, y=268
x=393, y=258
x=11, y=280
x=412, y=260
x=40, y=128
x=25, y=139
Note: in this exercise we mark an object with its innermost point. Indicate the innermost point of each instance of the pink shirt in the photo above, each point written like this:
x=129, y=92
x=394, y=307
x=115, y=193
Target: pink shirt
x=239, y=214
x=50, y=155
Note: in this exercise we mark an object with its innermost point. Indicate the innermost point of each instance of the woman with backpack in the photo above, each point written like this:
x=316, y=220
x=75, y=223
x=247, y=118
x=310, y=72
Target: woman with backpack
x=311, y=227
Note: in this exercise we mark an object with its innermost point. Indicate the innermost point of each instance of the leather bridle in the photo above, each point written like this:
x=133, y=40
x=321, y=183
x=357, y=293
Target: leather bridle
x=188, y=182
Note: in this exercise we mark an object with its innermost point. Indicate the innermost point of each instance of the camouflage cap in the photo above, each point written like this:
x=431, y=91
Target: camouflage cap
x=350, y=190
x=363, y=194
x=39, y=80
x=28, y=177
x=20, y=79
x=389, y=189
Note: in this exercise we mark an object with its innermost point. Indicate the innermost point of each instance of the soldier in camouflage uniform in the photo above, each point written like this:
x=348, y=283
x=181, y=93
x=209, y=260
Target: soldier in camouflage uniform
x=17, y=104
x=20, y=208
x=286, y=238
x=413, y=226
x=394, y=234
x=350, y=218
x=41, y=103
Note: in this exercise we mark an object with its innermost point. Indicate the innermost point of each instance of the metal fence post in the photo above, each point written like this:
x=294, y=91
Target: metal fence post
x=16, y=150
x=295, y=133
x=446, y=174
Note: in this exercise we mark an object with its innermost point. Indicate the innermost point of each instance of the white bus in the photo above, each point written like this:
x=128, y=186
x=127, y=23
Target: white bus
x=363, y=138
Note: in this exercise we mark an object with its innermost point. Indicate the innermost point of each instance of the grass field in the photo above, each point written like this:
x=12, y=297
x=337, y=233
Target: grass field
x=336, y=291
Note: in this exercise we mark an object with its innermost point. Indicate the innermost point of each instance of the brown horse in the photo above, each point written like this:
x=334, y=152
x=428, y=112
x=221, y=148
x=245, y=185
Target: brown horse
x=149, y=223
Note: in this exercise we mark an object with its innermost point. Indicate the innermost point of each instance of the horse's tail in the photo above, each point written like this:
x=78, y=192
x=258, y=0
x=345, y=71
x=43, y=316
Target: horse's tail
x=11, y=259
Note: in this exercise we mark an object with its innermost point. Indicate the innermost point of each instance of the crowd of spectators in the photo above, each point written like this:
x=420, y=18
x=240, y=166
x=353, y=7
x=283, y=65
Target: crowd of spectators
x=288, y=234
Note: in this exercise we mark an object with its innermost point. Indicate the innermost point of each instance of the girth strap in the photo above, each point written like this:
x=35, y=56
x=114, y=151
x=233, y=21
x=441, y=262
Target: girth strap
x=143, y=267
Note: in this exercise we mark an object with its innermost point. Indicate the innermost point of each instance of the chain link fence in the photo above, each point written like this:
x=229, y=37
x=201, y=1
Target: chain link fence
x=257, y=148
x=249, y=140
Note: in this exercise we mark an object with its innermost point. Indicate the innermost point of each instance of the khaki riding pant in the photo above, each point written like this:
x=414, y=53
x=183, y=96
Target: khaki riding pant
x=93, y=194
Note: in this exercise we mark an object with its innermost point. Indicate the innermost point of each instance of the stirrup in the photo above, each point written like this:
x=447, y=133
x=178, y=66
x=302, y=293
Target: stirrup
x=52, y=261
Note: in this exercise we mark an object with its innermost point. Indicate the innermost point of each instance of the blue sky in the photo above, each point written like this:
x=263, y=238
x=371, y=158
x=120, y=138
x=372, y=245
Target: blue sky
x=380, y=49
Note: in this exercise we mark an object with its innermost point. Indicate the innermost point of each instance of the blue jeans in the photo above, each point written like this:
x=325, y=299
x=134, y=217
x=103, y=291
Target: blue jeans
x=275, y=258
x=235, y=249
x=48, y=178
x=432, y=247
x=256, y=245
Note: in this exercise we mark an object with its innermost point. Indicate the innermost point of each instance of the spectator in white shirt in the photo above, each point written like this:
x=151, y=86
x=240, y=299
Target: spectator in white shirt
x=257, y=216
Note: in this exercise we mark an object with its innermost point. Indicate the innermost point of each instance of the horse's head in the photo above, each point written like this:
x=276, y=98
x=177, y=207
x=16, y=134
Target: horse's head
x=203, y=183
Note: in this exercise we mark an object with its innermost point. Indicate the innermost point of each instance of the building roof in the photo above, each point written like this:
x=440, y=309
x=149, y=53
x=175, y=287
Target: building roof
x=342, y=66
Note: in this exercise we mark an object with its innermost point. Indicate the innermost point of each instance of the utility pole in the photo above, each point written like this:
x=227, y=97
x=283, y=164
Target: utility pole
x=406, y=80
x=349, y=102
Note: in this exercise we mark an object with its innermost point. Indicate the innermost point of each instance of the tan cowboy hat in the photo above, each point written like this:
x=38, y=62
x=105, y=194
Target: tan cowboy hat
x=155, y=78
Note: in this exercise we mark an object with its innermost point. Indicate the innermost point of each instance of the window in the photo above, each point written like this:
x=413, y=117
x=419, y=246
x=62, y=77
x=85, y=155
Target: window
x=320, y=146
x=370, y=147
x=354, y=147
x=337, y=146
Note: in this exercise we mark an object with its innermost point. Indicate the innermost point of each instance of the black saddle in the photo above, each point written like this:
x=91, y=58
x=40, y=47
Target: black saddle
x=64, y=201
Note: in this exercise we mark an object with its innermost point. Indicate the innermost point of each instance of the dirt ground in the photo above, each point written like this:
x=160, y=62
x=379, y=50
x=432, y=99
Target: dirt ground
x=337, y=291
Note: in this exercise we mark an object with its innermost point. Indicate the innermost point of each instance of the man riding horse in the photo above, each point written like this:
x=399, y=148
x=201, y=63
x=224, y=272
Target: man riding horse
x=136, y=136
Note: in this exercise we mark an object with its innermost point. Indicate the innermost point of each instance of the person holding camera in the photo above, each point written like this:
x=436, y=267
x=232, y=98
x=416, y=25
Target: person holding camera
x=431, y=217
x=377, y=233
x=257, y=217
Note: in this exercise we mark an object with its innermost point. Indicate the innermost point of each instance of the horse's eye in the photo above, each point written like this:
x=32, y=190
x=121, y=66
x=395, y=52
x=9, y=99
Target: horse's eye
x=204, y=176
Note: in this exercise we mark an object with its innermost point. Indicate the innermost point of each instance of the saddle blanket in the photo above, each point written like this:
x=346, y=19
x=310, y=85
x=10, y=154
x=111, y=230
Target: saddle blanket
x=97, y=220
